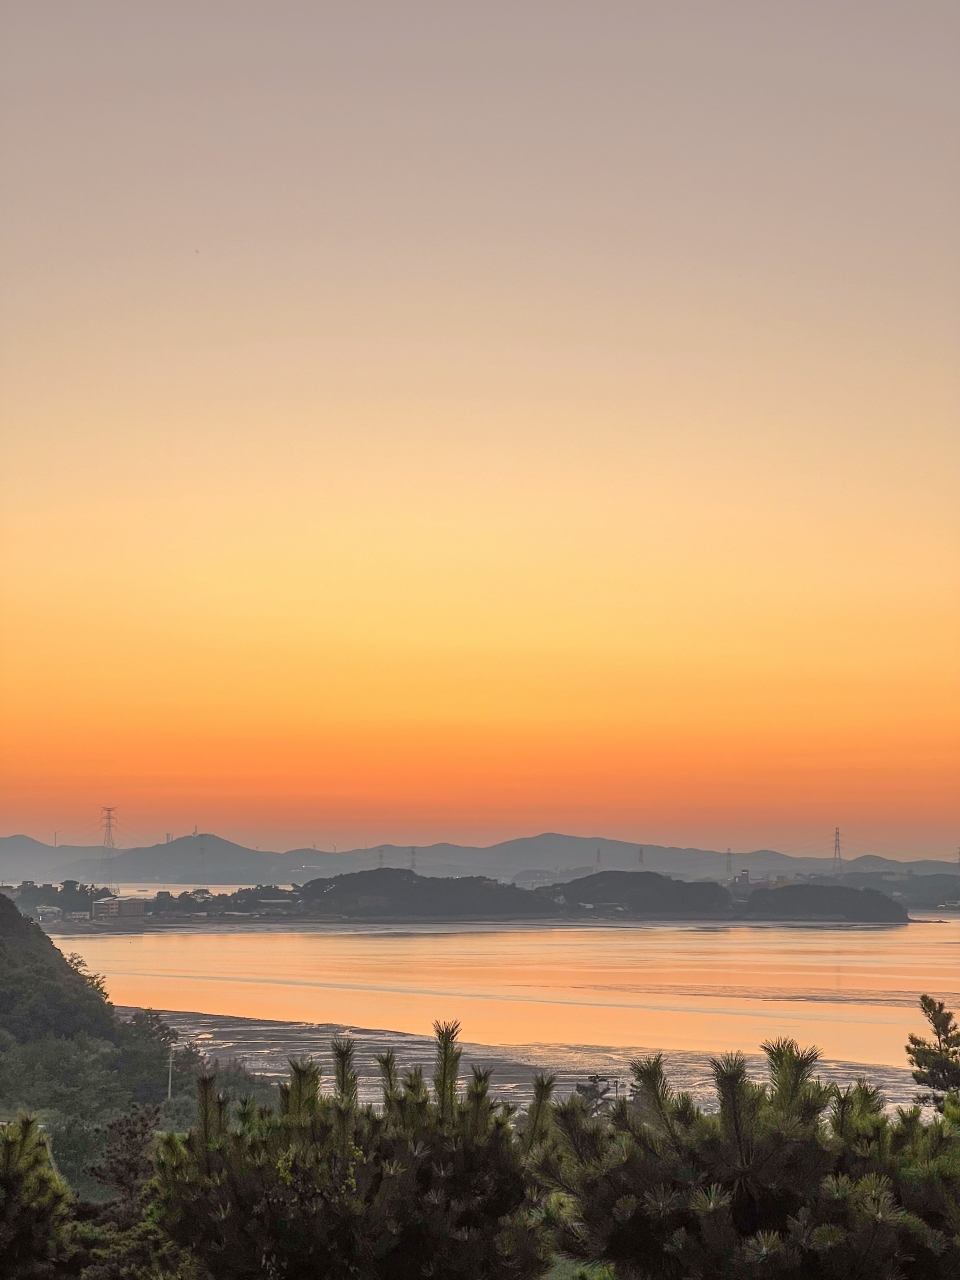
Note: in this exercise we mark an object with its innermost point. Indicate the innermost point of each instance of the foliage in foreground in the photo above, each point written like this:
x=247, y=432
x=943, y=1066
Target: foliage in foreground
x=431, y=1184
x=789, y=1179
x=937, y=1060
x=34, y=1203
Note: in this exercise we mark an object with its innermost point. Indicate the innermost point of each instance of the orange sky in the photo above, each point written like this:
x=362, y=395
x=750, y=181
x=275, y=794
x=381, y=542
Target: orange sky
x=428, y=423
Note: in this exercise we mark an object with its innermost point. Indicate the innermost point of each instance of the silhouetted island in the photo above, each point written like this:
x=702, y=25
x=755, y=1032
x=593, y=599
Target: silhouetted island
x=391, y=893
x=824, y=902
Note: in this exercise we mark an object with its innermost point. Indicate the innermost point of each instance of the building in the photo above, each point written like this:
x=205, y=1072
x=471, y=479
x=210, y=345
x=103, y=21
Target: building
x=112, y=908
x=47, y=914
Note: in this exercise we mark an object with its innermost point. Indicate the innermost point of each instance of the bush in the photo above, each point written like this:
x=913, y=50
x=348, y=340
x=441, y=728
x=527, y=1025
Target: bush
x=791, y=1178
x=432, y=1185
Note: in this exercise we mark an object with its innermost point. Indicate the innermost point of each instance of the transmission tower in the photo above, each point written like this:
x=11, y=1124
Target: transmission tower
x=837, y=860
x=598, y=857
x=729, y=864
x=640, y=859
x=108, y=816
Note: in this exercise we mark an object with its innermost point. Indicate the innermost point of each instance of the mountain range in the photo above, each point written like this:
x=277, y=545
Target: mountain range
x=209, y=859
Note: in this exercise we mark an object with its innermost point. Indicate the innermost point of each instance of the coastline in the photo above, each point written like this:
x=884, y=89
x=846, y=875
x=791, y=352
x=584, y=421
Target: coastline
x=291, y=923
x=265, y=1047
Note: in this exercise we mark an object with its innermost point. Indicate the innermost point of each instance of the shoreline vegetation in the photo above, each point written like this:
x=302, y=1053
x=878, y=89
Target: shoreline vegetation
x=103, y=1176
x=393, y=895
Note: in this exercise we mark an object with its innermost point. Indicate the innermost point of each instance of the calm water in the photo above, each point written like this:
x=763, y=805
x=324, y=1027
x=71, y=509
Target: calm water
x=851, y=990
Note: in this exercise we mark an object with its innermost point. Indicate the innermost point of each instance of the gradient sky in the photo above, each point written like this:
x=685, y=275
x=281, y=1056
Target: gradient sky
x=457, y=421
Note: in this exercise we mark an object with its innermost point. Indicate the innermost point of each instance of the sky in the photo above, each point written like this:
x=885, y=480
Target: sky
x=453, y=421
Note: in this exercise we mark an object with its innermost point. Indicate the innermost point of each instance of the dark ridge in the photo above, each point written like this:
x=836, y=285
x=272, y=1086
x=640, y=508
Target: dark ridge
x=637, y=893
x=390, y=891
x=824, y=902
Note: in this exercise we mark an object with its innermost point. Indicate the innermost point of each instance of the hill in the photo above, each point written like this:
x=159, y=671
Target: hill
x=393, y=892
x=920, y=891
x=40, y=993
x=633, y=894
x=824, y=902
x=197, y=859
x=396, y=893
x=209, y=859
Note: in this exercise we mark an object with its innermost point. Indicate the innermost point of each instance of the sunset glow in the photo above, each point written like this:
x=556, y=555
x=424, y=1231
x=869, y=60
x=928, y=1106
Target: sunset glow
x=483, y=424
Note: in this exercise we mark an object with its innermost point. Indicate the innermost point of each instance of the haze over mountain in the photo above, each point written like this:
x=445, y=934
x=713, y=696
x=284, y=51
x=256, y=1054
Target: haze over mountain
x=209, y=859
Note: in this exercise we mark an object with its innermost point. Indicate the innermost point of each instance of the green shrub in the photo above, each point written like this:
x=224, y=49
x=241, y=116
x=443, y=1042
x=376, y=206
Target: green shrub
x=431, y=1185
x=791, y=1178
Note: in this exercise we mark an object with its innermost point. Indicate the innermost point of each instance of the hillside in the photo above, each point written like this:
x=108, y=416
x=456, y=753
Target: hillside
x=40, y=993
x=633, y=894
x=624, y=894
x=198, y=859
x=392, y=892
x=824, y=902
x=913, y=890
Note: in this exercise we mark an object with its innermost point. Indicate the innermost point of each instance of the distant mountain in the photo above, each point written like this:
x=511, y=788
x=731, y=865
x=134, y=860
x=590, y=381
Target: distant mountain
x=201, y=859
x=573, y=855
x=209, y=859
x=23, y=858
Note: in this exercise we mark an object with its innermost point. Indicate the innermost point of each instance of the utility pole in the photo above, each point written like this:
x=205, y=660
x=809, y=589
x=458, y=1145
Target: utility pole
x=837, y=860
x=640, y=859
x=729, y=865
x=54, y=839
x=170, y=1075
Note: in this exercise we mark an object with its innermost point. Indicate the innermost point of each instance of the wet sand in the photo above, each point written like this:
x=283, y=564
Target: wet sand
x=265, y=1047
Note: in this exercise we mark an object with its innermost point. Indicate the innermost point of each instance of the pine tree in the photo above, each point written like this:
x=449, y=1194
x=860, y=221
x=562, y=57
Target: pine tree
x=790, y=1179
x=431, y=1184
x=937, y=1061
x=34, y=1203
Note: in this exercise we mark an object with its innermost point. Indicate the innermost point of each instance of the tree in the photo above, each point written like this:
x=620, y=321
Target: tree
x=433, y=1184
x=34, y=1203
x=788, y=1179
x=937, y=1061
x=128, y=1154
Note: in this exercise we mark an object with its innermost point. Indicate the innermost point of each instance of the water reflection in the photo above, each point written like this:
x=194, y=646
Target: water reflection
x=850, y=989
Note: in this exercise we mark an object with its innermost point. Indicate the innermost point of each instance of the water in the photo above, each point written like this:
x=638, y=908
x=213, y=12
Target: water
x=140, y=890
x=700, y=988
